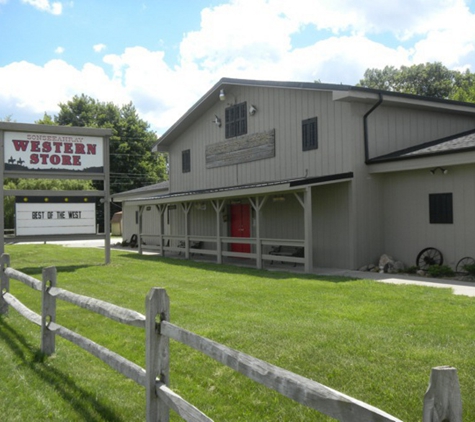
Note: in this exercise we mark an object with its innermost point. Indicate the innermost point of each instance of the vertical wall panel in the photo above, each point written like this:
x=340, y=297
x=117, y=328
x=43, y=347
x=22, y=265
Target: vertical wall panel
x=282, y=110
x=331, y=237
x=406, y=211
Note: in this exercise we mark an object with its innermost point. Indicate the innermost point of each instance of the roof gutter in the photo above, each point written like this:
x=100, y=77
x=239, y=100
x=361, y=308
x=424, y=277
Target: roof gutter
x=365, y=127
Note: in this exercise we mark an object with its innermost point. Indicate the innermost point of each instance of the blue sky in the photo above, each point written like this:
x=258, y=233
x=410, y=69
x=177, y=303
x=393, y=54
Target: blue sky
x=164, y=54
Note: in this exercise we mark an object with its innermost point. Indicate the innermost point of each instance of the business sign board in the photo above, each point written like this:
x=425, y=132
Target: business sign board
x=55, y=216
x=47, y=152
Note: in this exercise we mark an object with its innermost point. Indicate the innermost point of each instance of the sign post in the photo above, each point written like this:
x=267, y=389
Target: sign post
x=55, y=152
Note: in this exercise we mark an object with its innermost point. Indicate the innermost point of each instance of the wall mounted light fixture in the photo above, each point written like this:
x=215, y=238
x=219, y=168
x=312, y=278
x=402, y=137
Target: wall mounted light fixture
x=217, y=121
x=441, y=169
x=223, y=96
x=278, y=198
x=252, y=110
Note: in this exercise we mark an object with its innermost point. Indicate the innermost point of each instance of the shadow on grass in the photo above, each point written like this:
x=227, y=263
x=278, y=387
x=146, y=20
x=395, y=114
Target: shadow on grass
x=37, y=271
x=82, y=401
x=237, y=268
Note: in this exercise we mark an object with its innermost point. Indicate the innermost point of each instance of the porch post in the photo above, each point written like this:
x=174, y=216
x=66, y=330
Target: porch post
x=161, y=209
x=139, y=236
x=257, y=204
x=218, y=207
x=186, y=209
x=308, y=229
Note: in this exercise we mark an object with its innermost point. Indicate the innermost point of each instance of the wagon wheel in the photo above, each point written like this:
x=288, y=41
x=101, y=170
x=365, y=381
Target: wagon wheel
x=428, y=257
x=460, y=268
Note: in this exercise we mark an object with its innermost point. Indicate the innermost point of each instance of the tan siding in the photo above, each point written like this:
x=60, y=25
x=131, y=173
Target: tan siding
x=279, y=109
x=406, y=209
x=283, y=220
x=392, y=128
x=129, y=225
x=331, y=226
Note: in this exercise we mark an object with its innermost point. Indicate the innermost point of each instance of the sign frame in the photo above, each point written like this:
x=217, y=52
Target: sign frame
x=58, y=215
x=33, y=139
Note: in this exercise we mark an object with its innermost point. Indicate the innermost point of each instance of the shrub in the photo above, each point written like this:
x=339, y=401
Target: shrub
x=440, y=271
x=470, y=268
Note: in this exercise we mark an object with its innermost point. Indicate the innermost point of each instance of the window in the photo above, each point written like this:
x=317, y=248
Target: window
x=236, y=120
x=440, y=208
x=185, y=161
x=309, y=134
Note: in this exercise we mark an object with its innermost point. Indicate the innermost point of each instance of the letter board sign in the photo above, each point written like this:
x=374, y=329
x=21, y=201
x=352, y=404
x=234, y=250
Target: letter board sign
x=54, y=216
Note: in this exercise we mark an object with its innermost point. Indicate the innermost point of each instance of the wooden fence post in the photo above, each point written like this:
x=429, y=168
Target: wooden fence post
x=48, y=311
x=5, y=283
x=443, y=401
x=157, y=353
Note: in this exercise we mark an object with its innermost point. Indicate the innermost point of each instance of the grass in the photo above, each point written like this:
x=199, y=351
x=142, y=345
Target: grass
x=373, y=341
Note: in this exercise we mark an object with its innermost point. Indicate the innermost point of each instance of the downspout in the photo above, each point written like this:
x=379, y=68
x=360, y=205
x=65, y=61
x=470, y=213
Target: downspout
x=365, y=127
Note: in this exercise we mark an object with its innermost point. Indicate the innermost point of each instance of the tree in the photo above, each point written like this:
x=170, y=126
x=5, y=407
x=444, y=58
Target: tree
x=430, y=80
x=132, y=164
x=465, y=88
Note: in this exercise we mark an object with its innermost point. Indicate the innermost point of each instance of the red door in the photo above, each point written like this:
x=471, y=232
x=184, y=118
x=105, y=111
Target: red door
x=240, y=226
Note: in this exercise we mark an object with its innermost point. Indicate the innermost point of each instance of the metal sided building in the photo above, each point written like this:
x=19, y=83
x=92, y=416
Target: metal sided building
x=337, y=174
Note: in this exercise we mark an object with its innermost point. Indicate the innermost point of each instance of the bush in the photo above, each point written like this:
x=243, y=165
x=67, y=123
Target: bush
x=440, y=271
x=470, y=268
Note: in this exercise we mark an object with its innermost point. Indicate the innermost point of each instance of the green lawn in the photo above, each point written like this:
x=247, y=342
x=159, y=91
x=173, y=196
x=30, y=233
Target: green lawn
x=373, y=341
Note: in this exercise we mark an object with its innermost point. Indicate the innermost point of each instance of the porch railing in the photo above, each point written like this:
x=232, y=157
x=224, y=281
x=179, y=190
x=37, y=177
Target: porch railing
x=170, y=244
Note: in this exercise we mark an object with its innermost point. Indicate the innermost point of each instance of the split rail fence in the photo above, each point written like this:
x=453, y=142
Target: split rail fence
x=442, y=401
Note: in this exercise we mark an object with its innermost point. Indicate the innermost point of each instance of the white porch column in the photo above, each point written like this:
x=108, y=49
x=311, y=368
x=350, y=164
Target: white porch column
x=308, y=228
x=257, y=204
x=306, y=203
x=161, y=210
x=186, y=206
x=139, y=237
x=218, y=206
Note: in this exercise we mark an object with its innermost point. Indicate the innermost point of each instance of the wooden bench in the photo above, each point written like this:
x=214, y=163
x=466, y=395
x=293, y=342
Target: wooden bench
x=296, y=251
x=193, y=245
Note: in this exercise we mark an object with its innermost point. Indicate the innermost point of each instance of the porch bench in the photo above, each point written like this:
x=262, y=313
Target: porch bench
x=193, y=245
x=282, y=250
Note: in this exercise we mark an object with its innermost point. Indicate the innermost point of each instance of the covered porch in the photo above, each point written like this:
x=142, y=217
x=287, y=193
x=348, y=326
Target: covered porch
x=267, y=225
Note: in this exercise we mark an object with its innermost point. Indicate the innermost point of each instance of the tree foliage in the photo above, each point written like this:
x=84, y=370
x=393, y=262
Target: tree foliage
x=132, y=164
x=429, y=79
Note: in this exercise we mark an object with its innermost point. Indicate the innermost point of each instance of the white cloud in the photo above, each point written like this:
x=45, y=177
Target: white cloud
x=55, y=8
x=98, y=48
x=59, y=50
x=158, y=91
x=370, y=17
x=32, y=90
x=264, y=37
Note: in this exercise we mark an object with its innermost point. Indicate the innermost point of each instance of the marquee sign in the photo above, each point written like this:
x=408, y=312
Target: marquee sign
x=47, y=152
x=56, y=152
x=54, y=216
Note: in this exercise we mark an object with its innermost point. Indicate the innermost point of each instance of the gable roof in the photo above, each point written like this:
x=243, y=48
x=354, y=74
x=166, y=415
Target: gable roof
x=460, y=142
x=340, y=93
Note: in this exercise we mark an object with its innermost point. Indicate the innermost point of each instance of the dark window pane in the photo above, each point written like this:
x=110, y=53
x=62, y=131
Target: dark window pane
x=236, y=120
x=309, y=134
x=186, y=161
x=441, y=208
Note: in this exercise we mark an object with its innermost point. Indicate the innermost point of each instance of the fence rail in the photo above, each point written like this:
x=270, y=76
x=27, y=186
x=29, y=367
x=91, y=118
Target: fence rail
x=442, y=401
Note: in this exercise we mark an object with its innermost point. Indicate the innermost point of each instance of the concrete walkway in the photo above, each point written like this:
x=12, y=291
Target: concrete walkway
x=458, y=287
x=466, y=288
